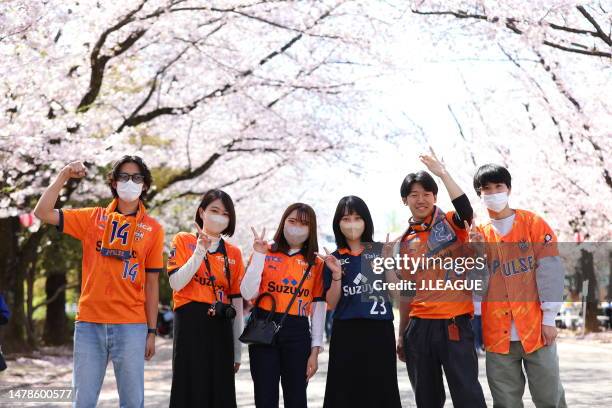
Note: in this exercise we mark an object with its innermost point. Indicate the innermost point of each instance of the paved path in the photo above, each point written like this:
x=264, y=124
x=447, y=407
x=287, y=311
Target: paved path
x=586, y=370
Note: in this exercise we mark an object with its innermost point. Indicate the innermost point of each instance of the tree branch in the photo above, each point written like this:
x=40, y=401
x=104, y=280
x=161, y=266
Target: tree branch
x=59, y=290
x=511, y=24
x=600, y=33
x=153, y=87
x=460, y=128
x=219, y=92
x=98, y=62
x=188, y=174
x=221, y=186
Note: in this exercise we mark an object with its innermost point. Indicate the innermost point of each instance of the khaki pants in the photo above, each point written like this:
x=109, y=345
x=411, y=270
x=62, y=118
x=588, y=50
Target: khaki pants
x=507, y=380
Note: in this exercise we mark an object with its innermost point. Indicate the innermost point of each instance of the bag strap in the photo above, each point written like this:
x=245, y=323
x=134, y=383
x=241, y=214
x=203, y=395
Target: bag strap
x=294, y=296
x=256, y=305
x=226, y=268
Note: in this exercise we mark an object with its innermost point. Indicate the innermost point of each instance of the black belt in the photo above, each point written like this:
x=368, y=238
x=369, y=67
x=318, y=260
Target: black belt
x=465, y=315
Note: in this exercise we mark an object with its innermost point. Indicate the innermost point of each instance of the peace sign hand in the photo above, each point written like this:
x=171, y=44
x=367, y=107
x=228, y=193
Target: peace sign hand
x=203, y=239
x=259, y=243
x=475, y=238
x=332, y=263
x=388, y=247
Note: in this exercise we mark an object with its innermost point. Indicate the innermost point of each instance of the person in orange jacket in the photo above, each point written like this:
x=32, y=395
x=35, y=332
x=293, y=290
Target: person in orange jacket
x=435, y=330
x=524, y=294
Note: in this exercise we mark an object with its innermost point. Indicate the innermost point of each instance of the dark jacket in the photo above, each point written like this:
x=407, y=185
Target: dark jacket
x=4, y=311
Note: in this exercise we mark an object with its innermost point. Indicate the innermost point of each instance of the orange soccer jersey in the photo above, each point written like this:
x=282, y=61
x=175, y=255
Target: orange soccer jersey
x=437, y=304
x=281, y=276
x=200, y=289
x=513, y=293
x=112, y=290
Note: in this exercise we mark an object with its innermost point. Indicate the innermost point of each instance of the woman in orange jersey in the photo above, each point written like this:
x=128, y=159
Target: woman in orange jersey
x=205, y=272
x=277, y=270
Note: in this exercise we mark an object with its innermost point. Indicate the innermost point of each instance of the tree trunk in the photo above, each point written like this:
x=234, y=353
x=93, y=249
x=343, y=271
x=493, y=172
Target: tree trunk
x=588, y=272
x=11, y=284
x=15, y=262
x=30, y=328
x=610, y=278
x=56, y=322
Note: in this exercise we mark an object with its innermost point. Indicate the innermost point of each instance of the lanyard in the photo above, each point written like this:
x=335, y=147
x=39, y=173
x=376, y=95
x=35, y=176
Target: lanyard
x=225, y=269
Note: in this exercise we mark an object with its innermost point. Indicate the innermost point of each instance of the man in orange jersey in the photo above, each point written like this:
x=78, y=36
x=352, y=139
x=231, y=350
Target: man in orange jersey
x=122, y=258
x=435, y=330
x=525, y=291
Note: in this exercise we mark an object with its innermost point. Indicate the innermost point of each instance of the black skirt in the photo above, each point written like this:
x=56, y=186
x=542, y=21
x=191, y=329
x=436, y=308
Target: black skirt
x=202, y=360
x=362, y=369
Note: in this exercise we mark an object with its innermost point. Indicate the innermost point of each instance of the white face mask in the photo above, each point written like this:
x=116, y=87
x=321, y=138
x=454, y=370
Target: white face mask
x=352, y=229
x=128, y=190
x=295, y=235
x=495, y=202
x=214, y=223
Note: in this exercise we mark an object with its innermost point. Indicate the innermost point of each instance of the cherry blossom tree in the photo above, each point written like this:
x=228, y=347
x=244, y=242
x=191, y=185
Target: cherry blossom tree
x=212, y=94
x=266, y=98
x=559, y=56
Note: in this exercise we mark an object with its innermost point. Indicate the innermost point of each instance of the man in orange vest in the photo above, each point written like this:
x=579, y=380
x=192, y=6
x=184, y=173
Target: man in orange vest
x=524, y=294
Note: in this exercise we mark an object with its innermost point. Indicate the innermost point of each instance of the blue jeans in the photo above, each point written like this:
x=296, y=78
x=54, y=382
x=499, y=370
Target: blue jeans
x=94, y=345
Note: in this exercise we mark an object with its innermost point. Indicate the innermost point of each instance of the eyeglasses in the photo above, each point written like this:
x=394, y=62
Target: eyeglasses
x=136, y=178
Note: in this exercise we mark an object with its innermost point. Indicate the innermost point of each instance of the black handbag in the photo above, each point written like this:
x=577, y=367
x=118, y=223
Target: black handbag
x=263, y=331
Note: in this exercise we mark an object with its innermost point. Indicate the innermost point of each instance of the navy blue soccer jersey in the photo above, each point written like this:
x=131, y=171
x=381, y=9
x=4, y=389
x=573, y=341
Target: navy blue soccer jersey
x=361, y=294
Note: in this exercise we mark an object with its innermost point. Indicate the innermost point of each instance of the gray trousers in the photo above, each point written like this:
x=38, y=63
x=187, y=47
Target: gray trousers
x=507, y=380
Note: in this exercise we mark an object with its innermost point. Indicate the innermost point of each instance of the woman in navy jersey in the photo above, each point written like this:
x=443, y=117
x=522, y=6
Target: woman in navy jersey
x=362, y=370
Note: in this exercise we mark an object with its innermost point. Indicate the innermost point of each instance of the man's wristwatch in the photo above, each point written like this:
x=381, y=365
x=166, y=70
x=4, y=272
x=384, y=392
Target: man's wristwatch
x=152, y=331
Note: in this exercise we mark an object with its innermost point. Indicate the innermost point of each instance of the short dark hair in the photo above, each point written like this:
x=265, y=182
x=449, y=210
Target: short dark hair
x=421, y=177
x=210, y=196
x=352, y=205
x=491, y=173
x=143, y=168
x=311, y=246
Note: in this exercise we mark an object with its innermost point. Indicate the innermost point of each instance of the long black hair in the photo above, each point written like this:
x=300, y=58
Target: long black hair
x=352, y=205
